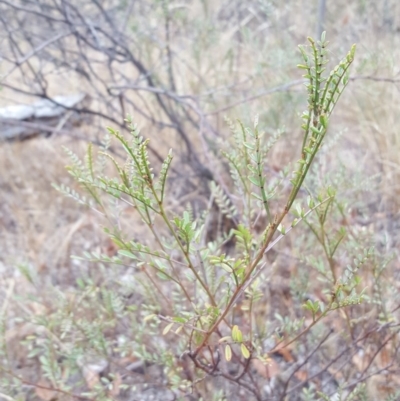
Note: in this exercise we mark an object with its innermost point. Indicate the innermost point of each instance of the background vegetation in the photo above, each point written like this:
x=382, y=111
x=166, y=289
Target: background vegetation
x=179, y=68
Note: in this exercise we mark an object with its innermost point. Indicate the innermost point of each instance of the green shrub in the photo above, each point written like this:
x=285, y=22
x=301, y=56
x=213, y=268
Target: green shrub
x=202, y=315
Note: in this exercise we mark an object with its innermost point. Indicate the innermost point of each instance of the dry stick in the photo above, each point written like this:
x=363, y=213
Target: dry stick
x=355, y=382
x=167, y=16
x=280, y=88
x=79, y=110
x=363, y=337
x=346, y=350
x=119, y=50
x=169, y=301
x=372, y=78
x=31, y=11
x=36, y=50
x=81, y=136
x=209, y=370
x=16, y=49
x=377, y=352
x=298, y=365
x=324, y=369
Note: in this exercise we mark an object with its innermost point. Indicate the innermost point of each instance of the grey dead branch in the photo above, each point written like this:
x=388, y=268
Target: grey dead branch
x=44, y=117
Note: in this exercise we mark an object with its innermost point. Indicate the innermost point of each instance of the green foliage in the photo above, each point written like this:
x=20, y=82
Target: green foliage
x=207, y=283
x=196, y=308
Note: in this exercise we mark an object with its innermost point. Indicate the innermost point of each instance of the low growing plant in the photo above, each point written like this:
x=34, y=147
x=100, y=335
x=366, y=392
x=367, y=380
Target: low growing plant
x=196, y=315
x=188, y=293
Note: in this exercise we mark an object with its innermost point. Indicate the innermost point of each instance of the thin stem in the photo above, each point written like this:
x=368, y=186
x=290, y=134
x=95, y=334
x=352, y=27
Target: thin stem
x=185, y=252
x=250, y=269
